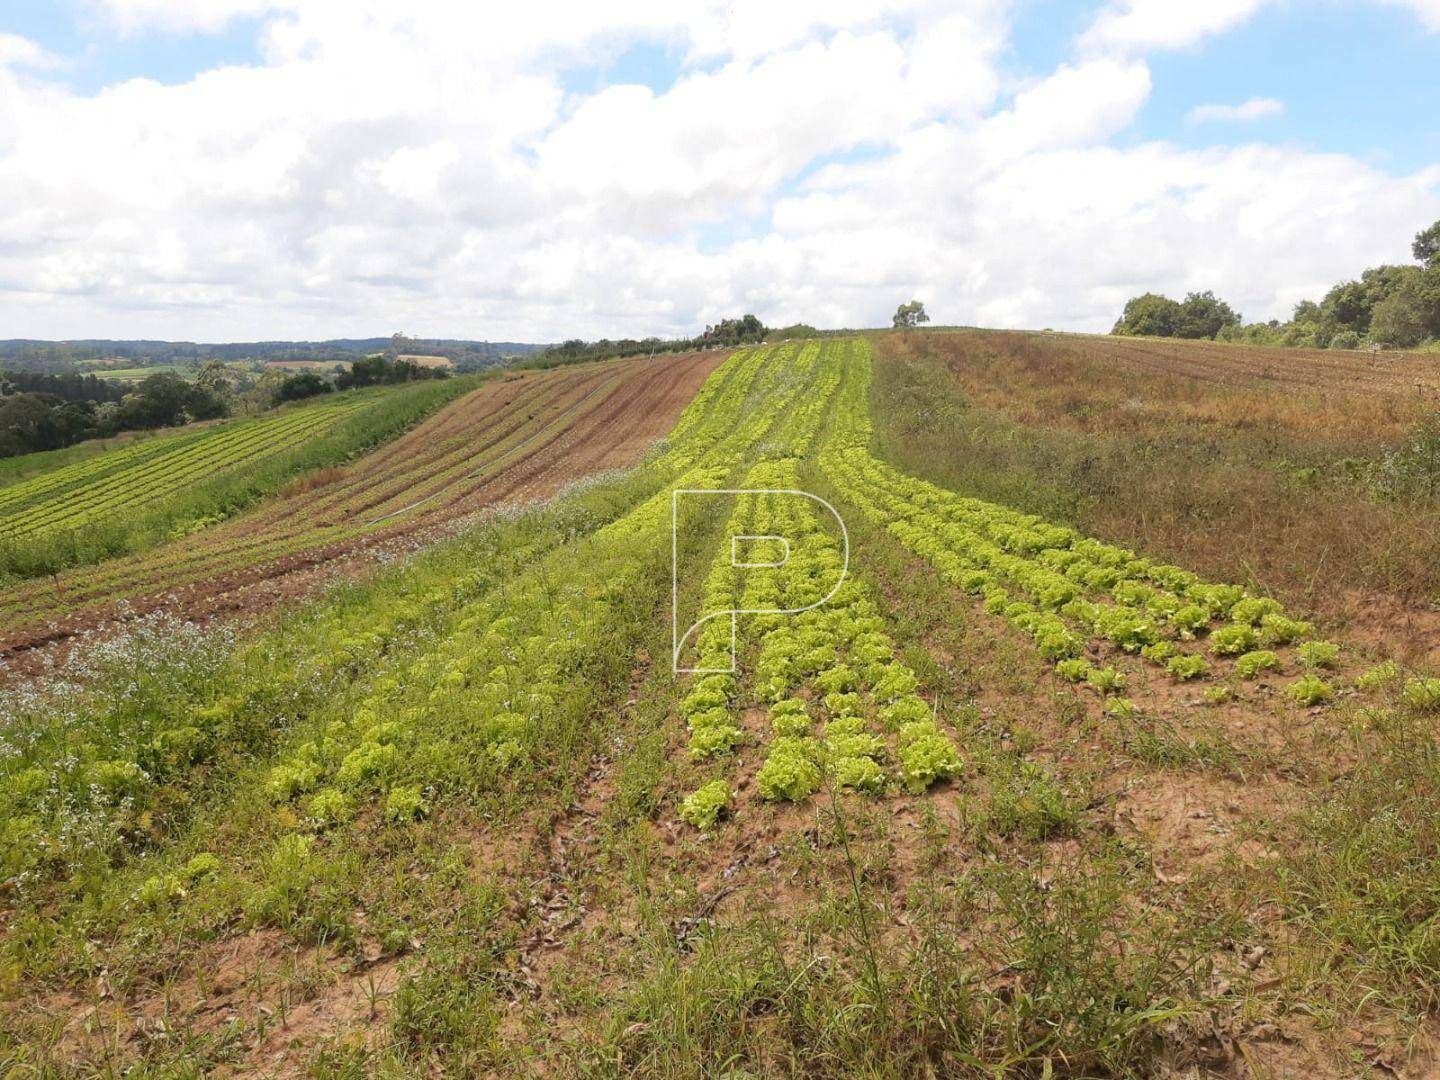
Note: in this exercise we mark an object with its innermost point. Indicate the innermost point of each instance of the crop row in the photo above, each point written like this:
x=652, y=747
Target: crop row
x=159, y=475
x=826, y=659
x=523, y=653
x=1071, y=594
x=518, y=660
x=498, y=698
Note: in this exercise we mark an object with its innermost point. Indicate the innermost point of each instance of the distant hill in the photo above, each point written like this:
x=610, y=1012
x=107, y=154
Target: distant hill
x=89, y=355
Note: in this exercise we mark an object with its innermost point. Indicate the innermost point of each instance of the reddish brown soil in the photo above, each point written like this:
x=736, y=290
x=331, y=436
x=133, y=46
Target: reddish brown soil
x=513, y=441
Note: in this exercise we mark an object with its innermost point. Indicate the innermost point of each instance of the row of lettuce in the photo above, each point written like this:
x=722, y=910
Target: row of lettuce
x=480, y=667
x=1075, y=597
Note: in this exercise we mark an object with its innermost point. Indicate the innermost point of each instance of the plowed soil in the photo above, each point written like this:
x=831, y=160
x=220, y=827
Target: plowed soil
x=1242, y=365
x=515, y=440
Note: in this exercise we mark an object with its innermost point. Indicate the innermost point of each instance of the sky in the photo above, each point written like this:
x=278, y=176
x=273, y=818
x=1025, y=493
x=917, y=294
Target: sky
x=221, y=170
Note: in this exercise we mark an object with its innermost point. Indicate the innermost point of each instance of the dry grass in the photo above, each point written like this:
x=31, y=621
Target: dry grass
x=1254, y=479
x=313, y=481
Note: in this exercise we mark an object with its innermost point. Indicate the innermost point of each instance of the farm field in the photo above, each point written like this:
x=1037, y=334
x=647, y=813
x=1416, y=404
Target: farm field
x=1092, y=763
x=1338, y=371
x=131, y=497
x=1320, y=486
x=516, y=439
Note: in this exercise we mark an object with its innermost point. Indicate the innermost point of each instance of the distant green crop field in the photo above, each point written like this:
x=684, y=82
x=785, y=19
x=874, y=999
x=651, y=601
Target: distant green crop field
x=135, y=374
x=25, y=466
x=122, y=499
x=74, y=496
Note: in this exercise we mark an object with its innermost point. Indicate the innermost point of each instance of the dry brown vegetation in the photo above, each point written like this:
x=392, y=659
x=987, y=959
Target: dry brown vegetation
x=1273, y=474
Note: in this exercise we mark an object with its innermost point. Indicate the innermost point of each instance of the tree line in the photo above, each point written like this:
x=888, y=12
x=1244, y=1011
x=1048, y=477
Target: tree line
x=64, y=356
x=50, y=412
x=727, y=333
x=1392, y=306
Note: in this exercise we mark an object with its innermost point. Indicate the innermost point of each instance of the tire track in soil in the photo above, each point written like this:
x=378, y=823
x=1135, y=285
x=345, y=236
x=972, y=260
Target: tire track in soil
x=572, y=426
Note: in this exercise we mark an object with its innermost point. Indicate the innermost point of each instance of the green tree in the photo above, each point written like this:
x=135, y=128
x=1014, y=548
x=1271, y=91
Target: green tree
x=215, y=376
x=1203, y=315
x=1411, y=313
x=908, y=316
x=26, y=423
x=305, y=384
x=159, y=401
x=1427, y=246
x=1148, y=315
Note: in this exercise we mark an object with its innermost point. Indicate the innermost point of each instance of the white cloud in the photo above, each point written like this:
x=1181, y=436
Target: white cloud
x=424, y=165
x=1131, y=26
x=1427, y=11
x=1138, y=25
x=1246, y=111
x=16, y=51
x=184, y=16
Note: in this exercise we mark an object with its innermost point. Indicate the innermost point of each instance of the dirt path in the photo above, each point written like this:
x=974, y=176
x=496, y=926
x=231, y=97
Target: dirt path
x=513, y=441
